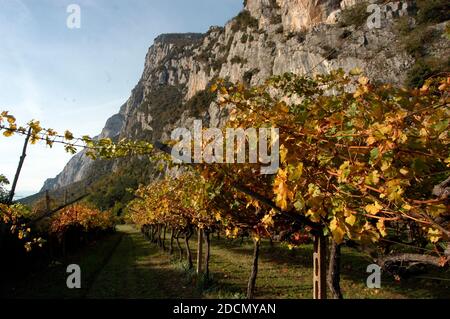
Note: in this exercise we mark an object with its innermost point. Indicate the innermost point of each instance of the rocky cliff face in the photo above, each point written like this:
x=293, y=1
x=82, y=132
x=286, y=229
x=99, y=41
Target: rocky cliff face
x=80, y=165
x=268, y=37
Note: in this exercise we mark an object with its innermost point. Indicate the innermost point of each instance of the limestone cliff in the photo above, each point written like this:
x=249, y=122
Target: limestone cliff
x=268, y=37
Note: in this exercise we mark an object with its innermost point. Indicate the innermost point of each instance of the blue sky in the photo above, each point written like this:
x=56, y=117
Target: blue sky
x=76, y=78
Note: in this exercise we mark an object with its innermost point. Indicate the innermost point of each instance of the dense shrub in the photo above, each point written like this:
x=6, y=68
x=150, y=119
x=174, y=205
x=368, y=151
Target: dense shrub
x=424, y=68
x=243, y=21
x=238, y=60
x=299, y=35
x=115, y=188
x=275, y=19
x=415, y=43
x=415, y=39
x=435, y=11
x=248, y=75
x=199, y=102
x=355, y=15
x=403, y=26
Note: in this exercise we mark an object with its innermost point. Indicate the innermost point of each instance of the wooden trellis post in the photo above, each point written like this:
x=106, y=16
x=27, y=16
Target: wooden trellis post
x=320, y=271
x=19, y=167
x=47, y=202
x=199, y=250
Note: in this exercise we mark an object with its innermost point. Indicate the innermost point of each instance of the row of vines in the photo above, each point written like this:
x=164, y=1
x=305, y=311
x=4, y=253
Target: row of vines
x=28, y=239
x=361, y=164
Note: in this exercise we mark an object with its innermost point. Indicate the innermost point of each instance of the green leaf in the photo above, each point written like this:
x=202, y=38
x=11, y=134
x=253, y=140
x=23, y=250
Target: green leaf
x=374, y=153
x=299, y=203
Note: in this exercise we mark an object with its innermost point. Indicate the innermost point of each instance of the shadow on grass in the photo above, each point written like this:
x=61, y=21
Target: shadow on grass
x=49, y=280
x=135, y=268
x=139, y=269
x=353, y=273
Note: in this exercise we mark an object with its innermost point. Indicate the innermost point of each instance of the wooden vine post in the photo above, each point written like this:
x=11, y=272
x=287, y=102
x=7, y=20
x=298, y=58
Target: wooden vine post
x=19, y=167
x=320, y=271
x=199, y=250
x=47, y=202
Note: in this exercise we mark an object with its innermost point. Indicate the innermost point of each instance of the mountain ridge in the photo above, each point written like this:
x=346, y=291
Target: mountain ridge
x=268, y=37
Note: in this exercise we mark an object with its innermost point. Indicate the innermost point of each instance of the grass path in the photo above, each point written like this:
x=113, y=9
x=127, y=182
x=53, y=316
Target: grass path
x=139, y=270
x=126, y=265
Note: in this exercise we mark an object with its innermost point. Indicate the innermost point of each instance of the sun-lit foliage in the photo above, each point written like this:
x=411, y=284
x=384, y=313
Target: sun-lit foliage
x=83, y=216
x=177, y=202
x=15, y=217
x=355, y=156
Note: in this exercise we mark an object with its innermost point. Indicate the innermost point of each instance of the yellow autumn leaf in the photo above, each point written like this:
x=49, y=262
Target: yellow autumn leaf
x=283, y=153
x=296, y=172
x=437, y=210
x=355, y=71
x=363, y=80
x=282, y=106
x=337, y=232
x=374, y=208
x=385, y=129
x=394, y=190
x=27, y=247
x=423, y=132
x=407, y=207
x=343, y=172
x=68, y=135
x=403, y=138
x=442, y=87
x=8, y=133
x=267, y=220
x=358, y=93
x=385, y=165
x=314, y=215
x=351, y=220
x=223, y=90
x=373, y=178
x=381, y=227
x=434, y=235
x=425, y=88
x=11, y=119
x=371, y=140
x=281, y=190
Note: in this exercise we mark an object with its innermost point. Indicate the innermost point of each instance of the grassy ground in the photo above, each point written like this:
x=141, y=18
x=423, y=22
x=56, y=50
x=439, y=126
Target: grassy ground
x=139, y=270
x=125, y=265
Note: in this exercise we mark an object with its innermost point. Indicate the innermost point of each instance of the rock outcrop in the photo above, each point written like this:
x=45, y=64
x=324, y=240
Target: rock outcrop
x=268, y=37
x=79, y=165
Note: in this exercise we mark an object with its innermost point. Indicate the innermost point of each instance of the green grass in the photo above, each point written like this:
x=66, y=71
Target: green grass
x=285, y=273
x=140, y=270
x=137, y=269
